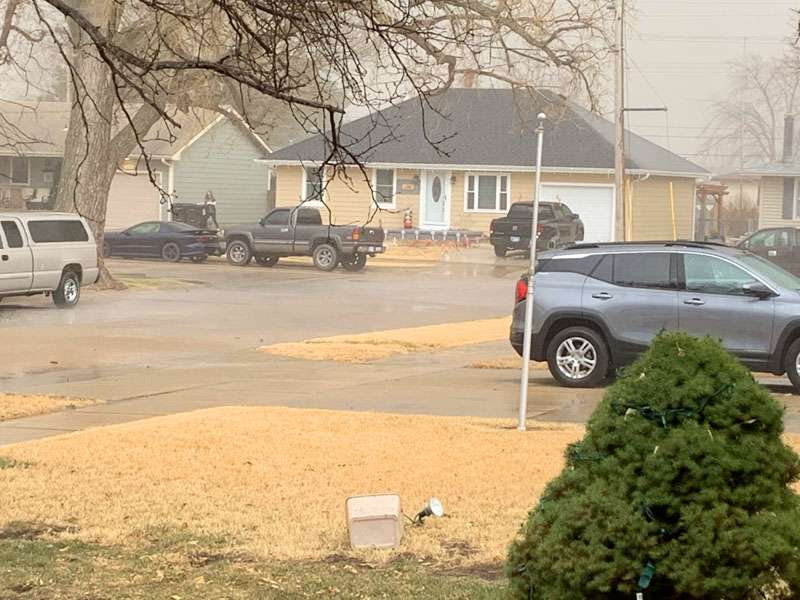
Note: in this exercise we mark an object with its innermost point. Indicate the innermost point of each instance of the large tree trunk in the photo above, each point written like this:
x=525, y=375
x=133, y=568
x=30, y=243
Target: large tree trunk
x=86, y=172
x=92, y=150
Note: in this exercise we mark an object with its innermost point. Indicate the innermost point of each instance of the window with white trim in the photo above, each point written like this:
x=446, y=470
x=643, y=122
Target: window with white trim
x=313, y=186
x=14, y=170
x=383, y=186
x=486, y=192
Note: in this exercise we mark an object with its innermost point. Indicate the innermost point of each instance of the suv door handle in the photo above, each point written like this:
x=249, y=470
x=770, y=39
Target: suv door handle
x=5, y=257
x=695, y=302
x=602, y=296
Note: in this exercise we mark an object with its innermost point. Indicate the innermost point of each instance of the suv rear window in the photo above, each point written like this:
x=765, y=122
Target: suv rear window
x=583, y=265
x=52, y=232
x=644, y=270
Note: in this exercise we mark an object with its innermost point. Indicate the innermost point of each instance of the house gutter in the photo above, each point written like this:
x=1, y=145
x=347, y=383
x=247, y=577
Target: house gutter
x=499, y=168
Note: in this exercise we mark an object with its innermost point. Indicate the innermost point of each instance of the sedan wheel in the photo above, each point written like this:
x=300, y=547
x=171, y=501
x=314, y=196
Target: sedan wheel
x=171, y=252
x=354, y=263
x=267, y=261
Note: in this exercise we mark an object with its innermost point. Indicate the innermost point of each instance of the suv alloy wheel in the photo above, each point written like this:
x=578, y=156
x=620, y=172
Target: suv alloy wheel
x=578, y=357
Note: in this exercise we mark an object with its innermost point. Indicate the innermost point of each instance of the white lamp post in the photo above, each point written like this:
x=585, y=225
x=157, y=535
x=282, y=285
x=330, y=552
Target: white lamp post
x=526, y=344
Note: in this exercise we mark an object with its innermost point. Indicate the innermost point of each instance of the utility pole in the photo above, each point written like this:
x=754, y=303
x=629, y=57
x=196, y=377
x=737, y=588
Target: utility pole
x=619, y=113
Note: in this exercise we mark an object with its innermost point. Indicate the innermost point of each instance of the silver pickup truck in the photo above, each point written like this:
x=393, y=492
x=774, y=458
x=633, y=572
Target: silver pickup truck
x=300, y=231
x=46, y=253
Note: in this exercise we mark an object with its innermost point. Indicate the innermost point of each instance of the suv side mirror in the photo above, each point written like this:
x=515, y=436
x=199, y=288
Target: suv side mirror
x=757, y=289
x=262, y=221
x=575, y=216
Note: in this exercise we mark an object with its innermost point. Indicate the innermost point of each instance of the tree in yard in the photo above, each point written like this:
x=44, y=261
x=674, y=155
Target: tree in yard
x=746, y=127
x=130, y=60
x=681, y=488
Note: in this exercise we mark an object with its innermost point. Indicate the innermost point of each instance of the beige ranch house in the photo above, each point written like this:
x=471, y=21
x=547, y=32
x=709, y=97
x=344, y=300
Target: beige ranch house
x=483, y=160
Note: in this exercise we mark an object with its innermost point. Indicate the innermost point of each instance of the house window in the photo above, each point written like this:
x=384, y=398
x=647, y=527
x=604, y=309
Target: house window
x=383, y=185
x=314, y=186
x=14, y=170
x=487, y=192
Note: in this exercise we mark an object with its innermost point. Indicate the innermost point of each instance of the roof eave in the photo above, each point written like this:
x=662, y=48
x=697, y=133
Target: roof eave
x=505, y=168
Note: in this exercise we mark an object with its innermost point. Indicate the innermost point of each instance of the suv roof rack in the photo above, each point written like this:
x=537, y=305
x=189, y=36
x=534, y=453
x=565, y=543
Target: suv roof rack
x=684, y=243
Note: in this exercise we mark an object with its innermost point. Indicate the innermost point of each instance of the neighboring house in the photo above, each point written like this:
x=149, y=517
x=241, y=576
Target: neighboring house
x=778, y=185
x=211, y=153
x=485, y=161
x=30, y=154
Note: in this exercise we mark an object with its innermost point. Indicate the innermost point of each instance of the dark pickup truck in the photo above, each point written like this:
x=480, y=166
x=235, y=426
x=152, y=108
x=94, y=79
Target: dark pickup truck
x=300, y=231
x=558, y=226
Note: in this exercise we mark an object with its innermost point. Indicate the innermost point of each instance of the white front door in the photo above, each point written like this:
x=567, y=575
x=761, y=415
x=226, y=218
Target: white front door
x=436, y=200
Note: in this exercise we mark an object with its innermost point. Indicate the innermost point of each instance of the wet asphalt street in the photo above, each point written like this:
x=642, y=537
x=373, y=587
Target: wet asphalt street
x=184, y=337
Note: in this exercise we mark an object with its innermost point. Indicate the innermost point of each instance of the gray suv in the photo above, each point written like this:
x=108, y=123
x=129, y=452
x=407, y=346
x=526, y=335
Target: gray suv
x=598, y=306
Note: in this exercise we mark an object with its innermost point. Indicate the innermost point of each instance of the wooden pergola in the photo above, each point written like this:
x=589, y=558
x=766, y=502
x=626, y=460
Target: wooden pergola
x=708, y=224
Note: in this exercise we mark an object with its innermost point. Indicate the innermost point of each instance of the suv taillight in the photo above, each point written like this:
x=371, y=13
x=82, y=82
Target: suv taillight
x=522, y=289
x=356, y=235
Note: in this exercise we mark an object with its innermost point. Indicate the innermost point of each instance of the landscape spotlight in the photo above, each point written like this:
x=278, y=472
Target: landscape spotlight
x=433, y=508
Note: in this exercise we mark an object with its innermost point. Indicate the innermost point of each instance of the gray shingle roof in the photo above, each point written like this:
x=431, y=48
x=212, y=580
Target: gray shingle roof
x=773, y=169
x=491, y=128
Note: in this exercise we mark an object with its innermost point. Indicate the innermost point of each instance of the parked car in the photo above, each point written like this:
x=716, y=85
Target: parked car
x=557, y=226
x=780, y=245
x=169, y=240
x=598, y=306
x=46, y=253
x=300, y=231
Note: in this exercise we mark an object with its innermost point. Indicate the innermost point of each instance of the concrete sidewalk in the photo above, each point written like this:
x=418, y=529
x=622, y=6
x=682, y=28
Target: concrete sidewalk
x=438, y=384
x=424, y=383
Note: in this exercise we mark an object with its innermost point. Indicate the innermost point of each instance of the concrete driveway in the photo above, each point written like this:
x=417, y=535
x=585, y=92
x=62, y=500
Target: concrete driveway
x=184, y=337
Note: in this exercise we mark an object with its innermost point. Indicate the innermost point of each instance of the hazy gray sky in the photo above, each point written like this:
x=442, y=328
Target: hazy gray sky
x=678, y=52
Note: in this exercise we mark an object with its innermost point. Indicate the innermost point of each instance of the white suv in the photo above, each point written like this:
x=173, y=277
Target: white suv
x=46, y=253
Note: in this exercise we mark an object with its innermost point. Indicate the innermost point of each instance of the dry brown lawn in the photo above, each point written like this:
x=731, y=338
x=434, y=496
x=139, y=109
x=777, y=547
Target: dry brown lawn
x=375, y=345
x=276, y=479
x=15, y=406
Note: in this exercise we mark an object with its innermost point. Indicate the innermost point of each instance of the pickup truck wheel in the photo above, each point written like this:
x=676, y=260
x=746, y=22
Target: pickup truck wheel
x=267, y=261
x=68, y=292
x=326, y=257
x=500, y=251
x=171, y=252
x=239, y=254
x=578, y=357
x=354, y=263
x=793, y=364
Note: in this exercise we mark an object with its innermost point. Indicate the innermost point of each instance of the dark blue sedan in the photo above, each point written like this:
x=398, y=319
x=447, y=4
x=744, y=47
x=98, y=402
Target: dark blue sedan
x=171, y=241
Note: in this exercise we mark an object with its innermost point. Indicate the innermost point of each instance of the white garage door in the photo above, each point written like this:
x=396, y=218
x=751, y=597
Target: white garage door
x=131, y=200
x=594, y=204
